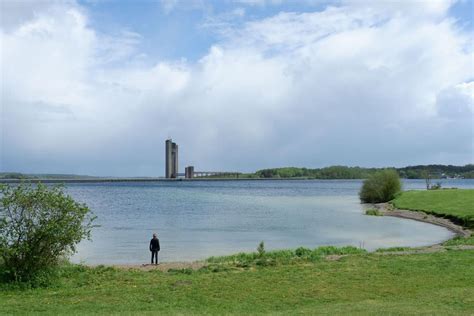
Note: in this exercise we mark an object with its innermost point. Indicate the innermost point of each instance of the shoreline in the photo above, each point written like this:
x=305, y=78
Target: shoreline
x=387, y=209
x=125, y=180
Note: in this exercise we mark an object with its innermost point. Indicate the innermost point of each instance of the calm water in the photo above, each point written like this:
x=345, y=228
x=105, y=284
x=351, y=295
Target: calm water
x=195, y=220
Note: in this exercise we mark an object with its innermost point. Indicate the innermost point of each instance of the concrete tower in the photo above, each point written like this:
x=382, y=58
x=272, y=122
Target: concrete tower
x=168, y=160
x=174, y=155
x=171, y=159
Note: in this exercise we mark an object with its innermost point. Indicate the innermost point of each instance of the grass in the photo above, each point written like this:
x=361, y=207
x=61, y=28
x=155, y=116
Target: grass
x=279, y=257
x=457, y=241
x=373, y=212
x=393, y=249
x=437, y=283
x=454, y=204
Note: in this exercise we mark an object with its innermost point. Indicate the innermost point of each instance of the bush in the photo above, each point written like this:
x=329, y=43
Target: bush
x=38, y=227
x=436, y=186
x=303, y=252
x=261, y=249
x=380, y=187
x=373, y=212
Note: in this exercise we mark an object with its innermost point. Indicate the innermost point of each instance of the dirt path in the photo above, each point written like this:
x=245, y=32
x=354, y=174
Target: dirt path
x=196, y=265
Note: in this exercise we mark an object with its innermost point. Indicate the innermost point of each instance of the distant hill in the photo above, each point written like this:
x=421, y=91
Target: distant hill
x=344, y=172
x=18, y=175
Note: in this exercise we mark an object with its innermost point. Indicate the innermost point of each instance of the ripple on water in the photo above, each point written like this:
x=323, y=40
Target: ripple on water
x=195, y=220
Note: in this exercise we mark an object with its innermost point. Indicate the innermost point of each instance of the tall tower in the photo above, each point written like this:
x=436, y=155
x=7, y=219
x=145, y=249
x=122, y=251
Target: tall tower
x=171, y=159
x=174, y=155
x=168, y=158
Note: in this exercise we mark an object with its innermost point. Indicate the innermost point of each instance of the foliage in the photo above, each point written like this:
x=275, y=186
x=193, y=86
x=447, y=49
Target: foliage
x=436, y=186
x=468, y=175
x=380, y=187
x=435, y=171
x=303, y=252
x=12, y=175
x=333, y=172
x=343, y=172
x=261, y=249
x=43, y=176
x=38, y=227
x=455, y=204
x=427, y=176
x=373, y=212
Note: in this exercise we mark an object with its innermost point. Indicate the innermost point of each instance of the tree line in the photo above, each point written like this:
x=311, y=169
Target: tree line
x=344, y=172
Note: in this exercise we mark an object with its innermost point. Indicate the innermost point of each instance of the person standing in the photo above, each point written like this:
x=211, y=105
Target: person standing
x=154, y=248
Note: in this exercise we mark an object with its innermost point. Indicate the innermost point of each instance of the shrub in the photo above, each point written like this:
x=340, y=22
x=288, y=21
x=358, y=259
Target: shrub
x=303, y=252
x=382, y=186
x=38, y=227
x=373, y=212
x=436, y=186
x=261, y=249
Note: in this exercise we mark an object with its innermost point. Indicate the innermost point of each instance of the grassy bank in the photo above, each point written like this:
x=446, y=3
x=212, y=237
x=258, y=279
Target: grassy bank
x=438, y=283
x=455, y=204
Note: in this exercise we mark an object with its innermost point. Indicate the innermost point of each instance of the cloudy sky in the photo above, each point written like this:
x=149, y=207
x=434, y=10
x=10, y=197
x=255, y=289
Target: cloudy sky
x=95, y=87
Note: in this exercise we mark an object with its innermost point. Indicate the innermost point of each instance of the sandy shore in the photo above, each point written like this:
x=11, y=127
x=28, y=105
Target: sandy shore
x=165, y=266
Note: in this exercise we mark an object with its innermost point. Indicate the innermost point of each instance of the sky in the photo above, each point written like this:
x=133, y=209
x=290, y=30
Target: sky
x=96, y=86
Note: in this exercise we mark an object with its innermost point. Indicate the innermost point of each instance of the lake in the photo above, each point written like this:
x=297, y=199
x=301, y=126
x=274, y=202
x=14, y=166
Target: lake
x=198, y=219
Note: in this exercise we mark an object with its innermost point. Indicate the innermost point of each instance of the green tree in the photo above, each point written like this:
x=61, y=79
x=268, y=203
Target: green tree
x=38, y=227
x=380, y=187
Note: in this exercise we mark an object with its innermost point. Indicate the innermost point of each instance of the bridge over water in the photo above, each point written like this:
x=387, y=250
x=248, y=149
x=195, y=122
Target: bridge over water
x=200, y=174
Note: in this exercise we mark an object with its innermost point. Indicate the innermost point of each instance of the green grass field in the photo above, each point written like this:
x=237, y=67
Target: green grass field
x=437, y=283
x=456, y=204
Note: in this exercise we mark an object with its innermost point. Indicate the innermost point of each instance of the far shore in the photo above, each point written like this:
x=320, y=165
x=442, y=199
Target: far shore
x=106, y=180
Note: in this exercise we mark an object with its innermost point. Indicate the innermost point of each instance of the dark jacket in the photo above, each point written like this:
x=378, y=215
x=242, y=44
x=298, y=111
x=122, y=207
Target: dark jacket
x=154, y=244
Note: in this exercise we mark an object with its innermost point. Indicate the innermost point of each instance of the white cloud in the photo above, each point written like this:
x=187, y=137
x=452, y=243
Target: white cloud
x=347, y=85
x=169, y=5
x=457, y=102
x=260, y=3
x=421, y=8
